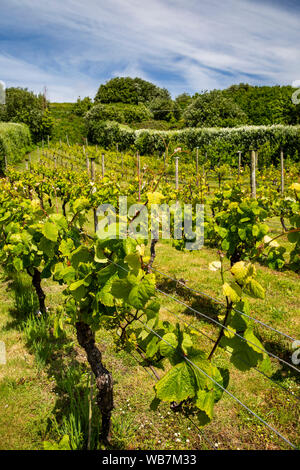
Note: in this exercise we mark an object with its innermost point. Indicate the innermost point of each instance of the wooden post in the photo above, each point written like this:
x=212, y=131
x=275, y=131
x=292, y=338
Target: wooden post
x=48, y=140
x=282, y=172
x=117, y=147
x=240, y=161
x=138, y=173
x=27, y=164
x=197, y=165
x=164, y=161
x=176, y=173
x=93, y=179
x=253, y=174
x=67, y=138
x=103, y=167
x=93, y=168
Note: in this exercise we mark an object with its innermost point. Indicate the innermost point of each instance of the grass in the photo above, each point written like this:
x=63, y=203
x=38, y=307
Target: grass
x=45, y=382
x=44, y=387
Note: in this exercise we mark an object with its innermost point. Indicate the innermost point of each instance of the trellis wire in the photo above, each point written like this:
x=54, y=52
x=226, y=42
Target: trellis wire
x=225, y=327
x=222, y=388
x=152, y=376
x=222, y=303
x=212, y=379
x=190, y=326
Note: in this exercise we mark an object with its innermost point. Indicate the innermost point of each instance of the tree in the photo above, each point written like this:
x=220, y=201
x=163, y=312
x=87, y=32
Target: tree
x=82, y=106
x=24, y=106
x=212, y=109
x=164, y=109
x=129, y=90
x=183, y=101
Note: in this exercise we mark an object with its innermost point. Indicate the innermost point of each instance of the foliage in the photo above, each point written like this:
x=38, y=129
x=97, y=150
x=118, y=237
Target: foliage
x=15, y=142
x=214, y=110
x=67, y=123
x=82, y=106
x=129, y=90
x=164, y=109
x=265, y=105
x=24, y=106
x=122, y=113
x=229, y=139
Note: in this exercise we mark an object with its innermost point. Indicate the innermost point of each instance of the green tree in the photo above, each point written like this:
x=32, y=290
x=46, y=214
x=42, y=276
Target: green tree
x=129, y=90
x=82, y=106
x=212, y=109
x=183, y=101
x=164, y=109
x=25, y=107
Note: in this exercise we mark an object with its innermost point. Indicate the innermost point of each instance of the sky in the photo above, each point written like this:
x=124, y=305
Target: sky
x=73, y=46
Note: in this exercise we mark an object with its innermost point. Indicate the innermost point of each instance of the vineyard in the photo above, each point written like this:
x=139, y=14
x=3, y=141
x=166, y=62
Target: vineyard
x=139, y=343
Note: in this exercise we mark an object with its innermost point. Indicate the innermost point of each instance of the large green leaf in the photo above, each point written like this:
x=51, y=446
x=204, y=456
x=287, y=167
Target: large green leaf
x=243, y=355
x=168, y=345
x=78, y=289
x=80, y=255
x=254, y=289
x=178, y=384
x=133, y=261
x=205, y=402
x=50, y=231
x=141, y=293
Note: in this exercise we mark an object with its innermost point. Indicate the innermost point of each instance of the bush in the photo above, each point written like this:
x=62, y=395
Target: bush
x=223, y=142
x=122, y=113
x=82, y=106
x=108, y=134
x=15, y=142
x=214, y=110
x=24, y=106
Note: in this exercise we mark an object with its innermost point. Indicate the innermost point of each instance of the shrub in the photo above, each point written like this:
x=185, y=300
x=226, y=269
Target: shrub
x=14, y=142
x=23, y=106
x=223, y=142
x=214, y=109
x=122, y=113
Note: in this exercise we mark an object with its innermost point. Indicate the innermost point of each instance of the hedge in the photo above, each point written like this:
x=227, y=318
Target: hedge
x=224, y=142
x=15, y=141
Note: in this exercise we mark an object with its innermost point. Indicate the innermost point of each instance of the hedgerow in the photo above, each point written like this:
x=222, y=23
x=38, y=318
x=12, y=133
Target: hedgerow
x=226, y=141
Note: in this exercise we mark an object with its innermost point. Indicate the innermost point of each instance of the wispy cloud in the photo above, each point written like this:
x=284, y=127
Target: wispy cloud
x=190, y=45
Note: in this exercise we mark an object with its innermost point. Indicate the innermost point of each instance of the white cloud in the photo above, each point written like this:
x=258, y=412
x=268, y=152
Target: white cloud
x=183, y=45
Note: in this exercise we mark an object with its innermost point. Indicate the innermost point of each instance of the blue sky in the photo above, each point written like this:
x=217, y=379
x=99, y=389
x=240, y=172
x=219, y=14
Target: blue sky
x=72, y=46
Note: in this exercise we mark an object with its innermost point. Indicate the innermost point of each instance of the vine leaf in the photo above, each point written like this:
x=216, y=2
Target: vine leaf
x=178, y=384
x=50, y=231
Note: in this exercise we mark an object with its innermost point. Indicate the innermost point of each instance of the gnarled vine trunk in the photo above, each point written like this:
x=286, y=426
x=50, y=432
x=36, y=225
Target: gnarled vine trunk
x=104, y=382
x=37, y=284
